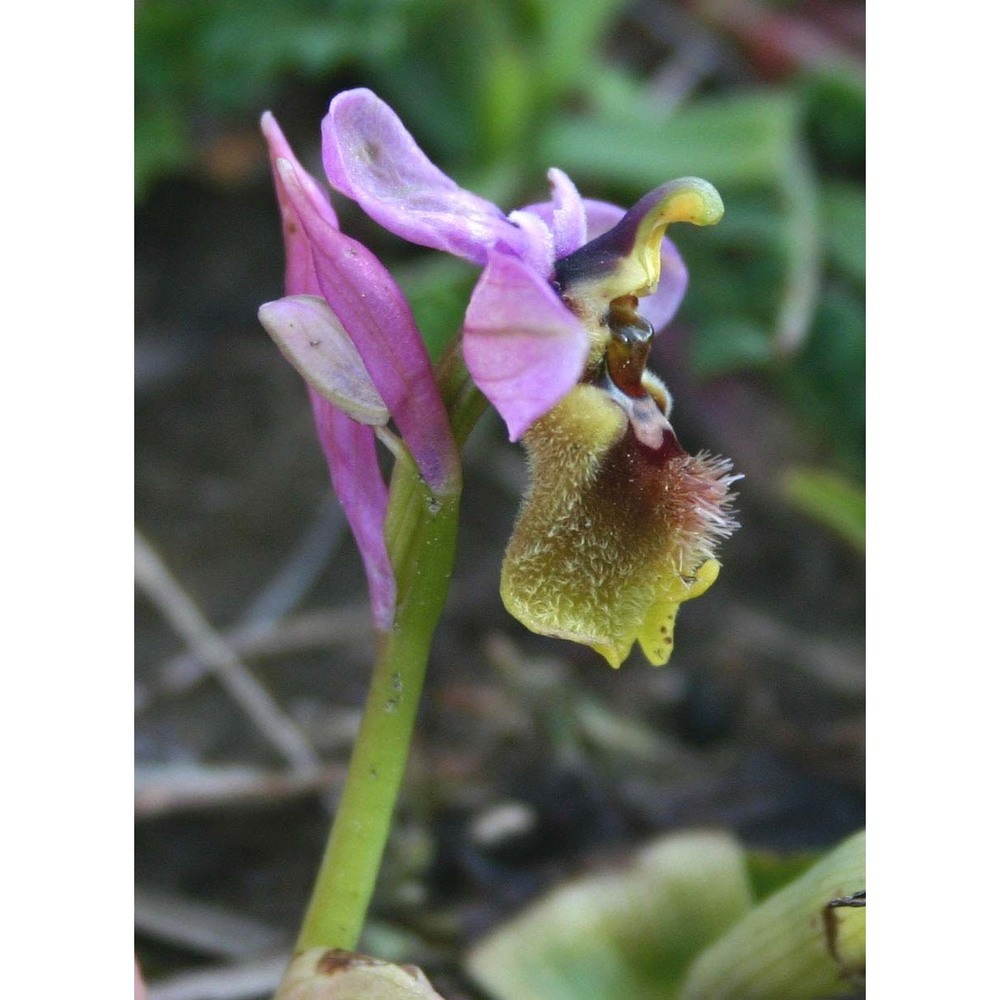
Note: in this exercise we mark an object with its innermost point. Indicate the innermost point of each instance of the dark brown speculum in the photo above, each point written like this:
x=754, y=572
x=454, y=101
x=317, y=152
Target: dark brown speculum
x=628, y=349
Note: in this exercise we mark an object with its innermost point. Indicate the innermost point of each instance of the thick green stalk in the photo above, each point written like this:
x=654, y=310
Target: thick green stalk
x=420, y=533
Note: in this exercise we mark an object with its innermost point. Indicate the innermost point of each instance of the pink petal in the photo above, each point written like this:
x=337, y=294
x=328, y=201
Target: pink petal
x=370, y=156
x=569, y=219
x=523, y=347
x=377, y=317
x=299, y=272
x=349, y=448
x=315, y=343
x=539, y=252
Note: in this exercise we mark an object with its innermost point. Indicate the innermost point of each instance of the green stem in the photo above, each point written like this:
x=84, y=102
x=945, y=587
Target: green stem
x=420, y=534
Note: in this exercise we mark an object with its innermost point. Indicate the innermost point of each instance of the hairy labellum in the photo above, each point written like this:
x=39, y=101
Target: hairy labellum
x=613, y=535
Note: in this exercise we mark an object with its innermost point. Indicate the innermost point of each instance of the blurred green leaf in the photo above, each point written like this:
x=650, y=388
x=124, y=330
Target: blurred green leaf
x=770, y=872
x=835, y=119
x=801, y=250
x=843, y=209
x=781, y=949
x=439, y=86
x=205, y=61
x=161, y=145
x=479, y=76
x=622, y=935
x=728, y=345
x=830, y=499
x=827, y=380
x=740, y=140
x=679, y=922
x=505, y=105
x=569, y=33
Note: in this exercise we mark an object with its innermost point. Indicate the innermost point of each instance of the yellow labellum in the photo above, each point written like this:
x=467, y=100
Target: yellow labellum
x=656, y=634
x=607, y=545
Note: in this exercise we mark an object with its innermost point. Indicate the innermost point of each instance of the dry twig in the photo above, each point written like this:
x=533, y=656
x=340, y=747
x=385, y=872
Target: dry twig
x=321, y=629
x=160, y=791
x=247, y=981
x=209, y=929
x=173, y=602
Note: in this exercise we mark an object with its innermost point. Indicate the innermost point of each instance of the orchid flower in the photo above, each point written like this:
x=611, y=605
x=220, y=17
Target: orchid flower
x=620, y=524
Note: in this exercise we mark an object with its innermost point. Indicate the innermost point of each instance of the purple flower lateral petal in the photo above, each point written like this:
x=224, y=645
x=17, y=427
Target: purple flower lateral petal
x=313, y=341
x=369, y=156
x=300, y=275
x=598, y=218
x=539, y=251
x=349, y=448
x=523, y=347
x=372, y=309
x=569, y=217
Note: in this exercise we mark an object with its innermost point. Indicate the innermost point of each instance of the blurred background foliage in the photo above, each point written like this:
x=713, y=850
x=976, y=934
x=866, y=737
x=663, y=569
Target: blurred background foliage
x=499, y=91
